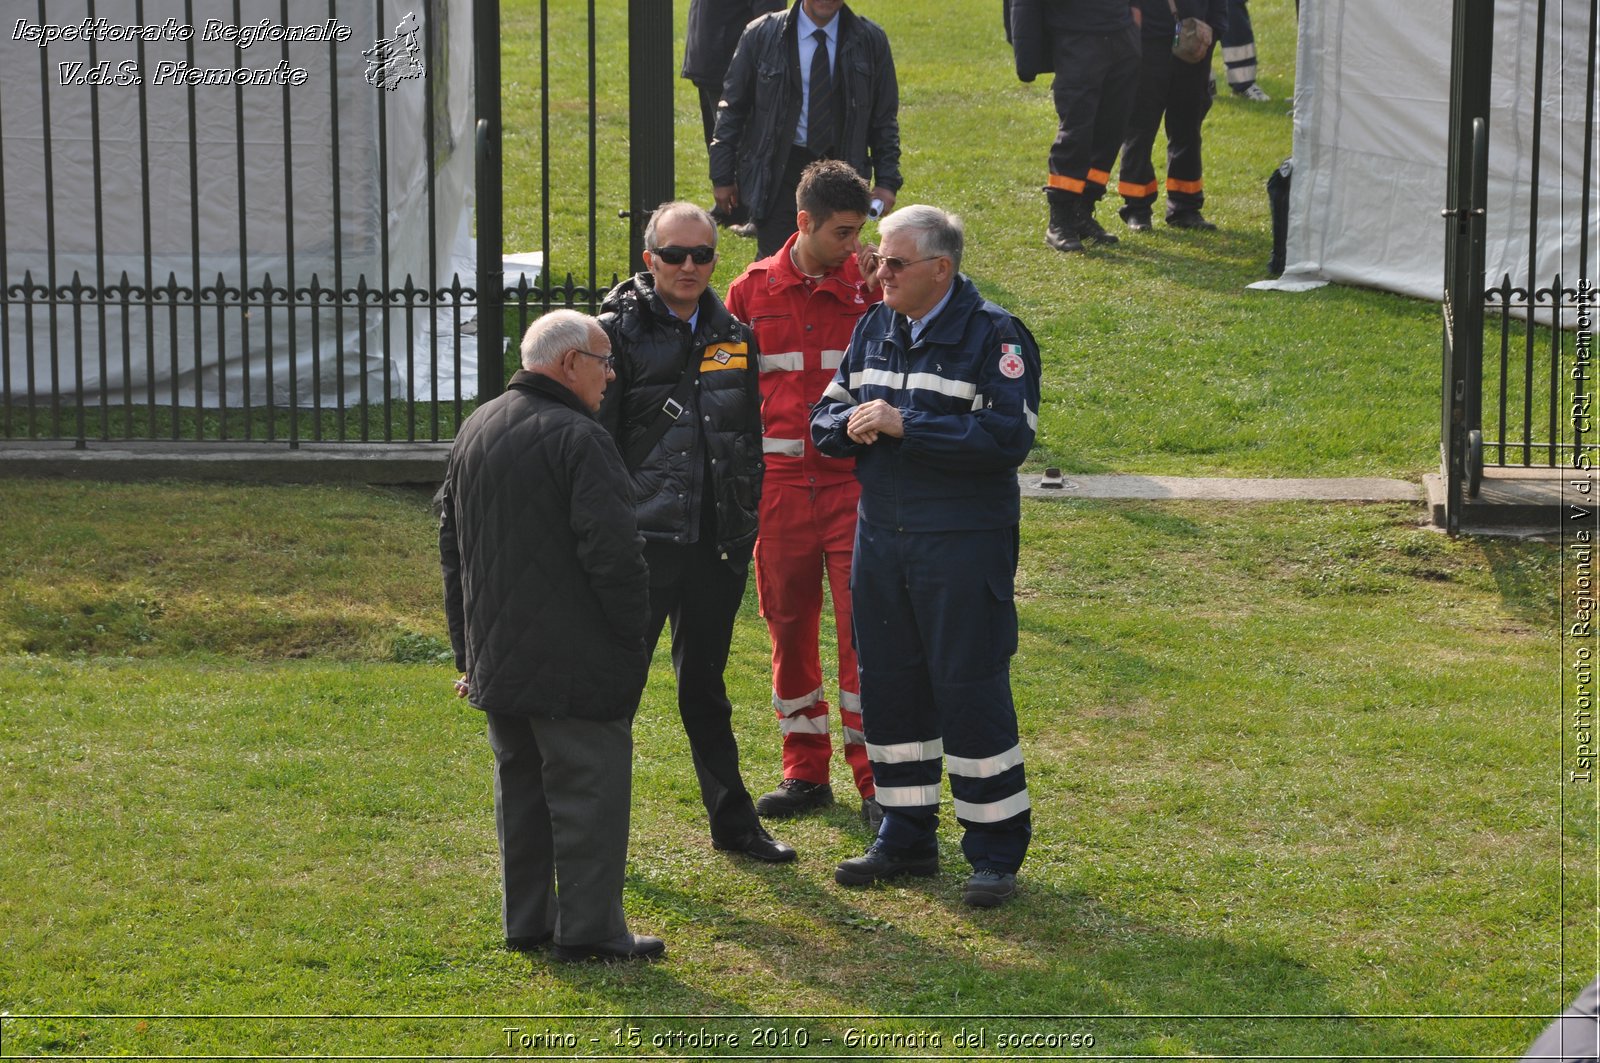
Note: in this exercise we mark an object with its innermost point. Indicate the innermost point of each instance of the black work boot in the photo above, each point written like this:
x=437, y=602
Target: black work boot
x=1063, y=231
x=1089, y=229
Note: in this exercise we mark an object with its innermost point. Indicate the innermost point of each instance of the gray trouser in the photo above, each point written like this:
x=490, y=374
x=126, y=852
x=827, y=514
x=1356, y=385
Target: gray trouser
x=561, y=798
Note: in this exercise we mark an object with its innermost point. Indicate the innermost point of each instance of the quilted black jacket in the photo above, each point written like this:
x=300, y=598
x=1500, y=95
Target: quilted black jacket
x=545, y=584
x=720, y=429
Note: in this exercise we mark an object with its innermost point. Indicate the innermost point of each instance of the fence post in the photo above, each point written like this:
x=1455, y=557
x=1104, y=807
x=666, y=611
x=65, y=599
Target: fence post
x=491, y=253
x=651, y=180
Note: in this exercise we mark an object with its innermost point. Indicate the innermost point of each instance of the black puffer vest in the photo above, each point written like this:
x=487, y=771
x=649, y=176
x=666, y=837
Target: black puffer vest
x=719, y=429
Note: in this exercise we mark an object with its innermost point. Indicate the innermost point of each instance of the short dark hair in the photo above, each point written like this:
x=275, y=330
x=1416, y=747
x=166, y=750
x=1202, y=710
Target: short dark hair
x=830, y=186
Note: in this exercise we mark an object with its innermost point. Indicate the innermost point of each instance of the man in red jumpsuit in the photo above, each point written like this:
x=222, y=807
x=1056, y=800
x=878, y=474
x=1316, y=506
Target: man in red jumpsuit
x=803, y=303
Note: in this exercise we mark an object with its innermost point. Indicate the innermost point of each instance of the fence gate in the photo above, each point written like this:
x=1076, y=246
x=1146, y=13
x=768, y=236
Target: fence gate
x=251, y=220
x=1538, y=403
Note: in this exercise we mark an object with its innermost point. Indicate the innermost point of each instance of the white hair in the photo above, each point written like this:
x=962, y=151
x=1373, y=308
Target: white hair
x=554, y=334
x=935, y=232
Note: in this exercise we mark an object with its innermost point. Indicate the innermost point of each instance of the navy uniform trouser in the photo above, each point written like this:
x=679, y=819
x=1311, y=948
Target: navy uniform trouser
x=1181, y=92
x=935, y=628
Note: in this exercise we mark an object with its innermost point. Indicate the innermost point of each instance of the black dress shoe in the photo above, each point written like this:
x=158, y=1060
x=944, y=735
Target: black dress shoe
x=759, y=844
x=882, y=862
x=528, y=944
x=626, y=947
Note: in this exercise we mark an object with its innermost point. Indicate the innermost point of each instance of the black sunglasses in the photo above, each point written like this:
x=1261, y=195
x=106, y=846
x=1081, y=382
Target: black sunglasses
x=673, y=255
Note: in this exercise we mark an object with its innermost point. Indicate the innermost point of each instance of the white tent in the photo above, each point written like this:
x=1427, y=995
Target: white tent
x=253, y=151
x=1371, y=140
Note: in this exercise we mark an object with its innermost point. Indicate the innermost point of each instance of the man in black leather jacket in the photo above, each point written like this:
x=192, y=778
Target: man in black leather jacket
x=767, y=133
x=686, y=412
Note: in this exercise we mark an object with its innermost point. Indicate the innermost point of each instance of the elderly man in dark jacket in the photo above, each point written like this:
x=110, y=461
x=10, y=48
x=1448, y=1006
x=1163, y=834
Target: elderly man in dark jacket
x=546, y=597
x=815, y=82
x=686, y=411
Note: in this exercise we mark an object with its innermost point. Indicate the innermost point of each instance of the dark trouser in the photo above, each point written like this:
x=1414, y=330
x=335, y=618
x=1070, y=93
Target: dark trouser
x=561, y=795
x=700, y=594
x=778, y=224
x=936, y=626
x=1239, y=47
x=1181, y=92
x=1096, y=77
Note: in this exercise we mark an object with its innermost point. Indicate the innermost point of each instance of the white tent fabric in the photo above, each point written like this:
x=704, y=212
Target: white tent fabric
x=252, y=151
x=1371, y=140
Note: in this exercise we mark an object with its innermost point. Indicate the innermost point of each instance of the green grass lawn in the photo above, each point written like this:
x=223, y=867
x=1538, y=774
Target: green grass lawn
x=1287, y=760
x=1297, y=768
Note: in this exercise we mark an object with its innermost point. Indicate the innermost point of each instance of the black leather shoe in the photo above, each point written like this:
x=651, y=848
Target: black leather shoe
x=626, y=947
x=1190, y=219
x=759, y=844
x=881, y=862
x=1138, y=221
x=989, y=889
x=792, y=797
x=1090, y=229
x=528, y=944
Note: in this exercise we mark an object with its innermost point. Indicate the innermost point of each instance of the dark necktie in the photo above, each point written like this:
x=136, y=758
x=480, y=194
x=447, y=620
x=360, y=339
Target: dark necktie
x=819, y=109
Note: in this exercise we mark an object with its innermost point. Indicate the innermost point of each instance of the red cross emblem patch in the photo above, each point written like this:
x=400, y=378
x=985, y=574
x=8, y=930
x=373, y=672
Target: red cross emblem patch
x=1011, y=364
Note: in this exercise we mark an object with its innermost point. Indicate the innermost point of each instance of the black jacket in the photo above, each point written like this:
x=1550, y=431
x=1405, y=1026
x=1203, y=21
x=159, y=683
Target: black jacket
x=714, y=29
x=761, y=106
x=545, y=584
x=719, y=430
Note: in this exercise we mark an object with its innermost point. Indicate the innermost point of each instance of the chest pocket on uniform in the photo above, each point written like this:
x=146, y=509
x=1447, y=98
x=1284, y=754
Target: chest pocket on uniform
x=720, y=356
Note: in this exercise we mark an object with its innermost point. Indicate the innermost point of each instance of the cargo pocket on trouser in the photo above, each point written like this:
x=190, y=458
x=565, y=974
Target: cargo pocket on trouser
x=1003, y=616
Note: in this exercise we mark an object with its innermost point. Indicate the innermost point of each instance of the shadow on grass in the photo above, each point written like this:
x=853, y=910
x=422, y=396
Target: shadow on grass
x=1052, y=963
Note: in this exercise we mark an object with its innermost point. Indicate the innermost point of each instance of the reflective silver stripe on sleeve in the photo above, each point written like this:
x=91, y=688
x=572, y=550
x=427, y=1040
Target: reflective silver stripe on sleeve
x=849, y=699
x=959, y=389
x=783, y=362
x=909, y=796
x=790, y=706
x=803, y=725
x=993, y=811
x=907, y=752
x=793, y=448
x=832, y=359
x=977, y=401
x=839, y=394
x=984, y=767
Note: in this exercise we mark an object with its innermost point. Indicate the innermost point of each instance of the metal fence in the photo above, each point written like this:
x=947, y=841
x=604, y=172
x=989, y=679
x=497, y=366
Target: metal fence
x=1519, y=348
x=249, y=220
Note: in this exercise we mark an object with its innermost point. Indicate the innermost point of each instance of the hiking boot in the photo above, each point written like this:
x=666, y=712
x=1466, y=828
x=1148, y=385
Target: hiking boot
x=989, y=889
x=1090, y=229
x=1190, y=219
x=1062, y=233
x=882, y=862
x=792, y=797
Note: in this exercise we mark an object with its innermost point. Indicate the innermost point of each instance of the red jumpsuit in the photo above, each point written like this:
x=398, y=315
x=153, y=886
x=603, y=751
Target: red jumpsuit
x=808, y=502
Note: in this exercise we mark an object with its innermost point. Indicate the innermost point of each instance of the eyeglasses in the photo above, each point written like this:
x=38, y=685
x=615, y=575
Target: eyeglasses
x=673, y=255
x=897, y=264
x=609, y=359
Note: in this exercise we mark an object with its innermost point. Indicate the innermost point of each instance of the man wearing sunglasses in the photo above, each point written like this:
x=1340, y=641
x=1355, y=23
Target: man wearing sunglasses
x=937, y=400
x=685, y=409
x=803, y=303
x=814, y=82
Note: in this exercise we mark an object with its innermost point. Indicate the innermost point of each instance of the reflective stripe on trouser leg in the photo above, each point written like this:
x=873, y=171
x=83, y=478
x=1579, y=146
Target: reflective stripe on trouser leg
x=897, y=712
x=788, y=569
x=962, y=593
x=1188, y=103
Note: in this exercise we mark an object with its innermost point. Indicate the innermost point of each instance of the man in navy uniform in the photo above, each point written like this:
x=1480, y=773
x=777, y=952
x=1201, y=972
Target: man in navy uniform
x=937, y=400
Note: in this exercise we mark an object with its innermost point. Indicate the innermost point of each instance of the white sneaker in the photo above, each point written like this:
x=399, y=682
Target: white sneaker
x=1254, y=92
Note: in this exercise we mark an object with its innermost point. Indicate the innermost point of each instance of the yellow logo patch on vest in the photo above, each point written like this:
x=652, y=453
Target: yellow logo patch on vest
x=725, y=356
